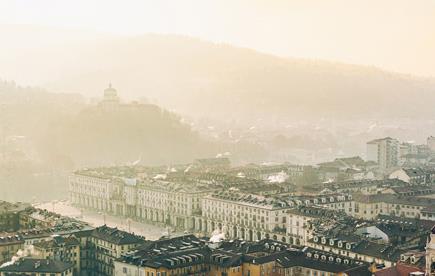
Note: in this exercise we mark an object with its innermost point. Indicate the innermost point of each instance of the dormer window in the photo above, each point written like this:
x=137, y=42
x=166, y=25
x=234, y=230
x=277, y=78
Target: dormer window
x=331, y=242
x=340, y=244
x=323, y=258
x=316, y=256
x=338, y=260
x=348, y=246
x=331, y=259
x=323, y=240
x=316, y=239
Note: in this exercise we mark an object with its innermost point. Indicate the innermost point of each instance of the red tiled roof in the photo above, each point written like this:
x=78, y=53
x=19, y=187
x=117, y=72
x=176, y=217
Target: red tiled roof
x=398, y=270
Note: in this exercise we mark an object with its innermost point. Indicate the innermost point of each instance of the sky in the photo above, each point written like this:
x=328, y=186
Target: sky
x=396, y=35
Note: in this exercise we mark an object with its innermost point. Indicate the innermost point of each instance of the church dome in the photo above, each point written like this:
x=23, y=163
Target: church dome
x=110, y=92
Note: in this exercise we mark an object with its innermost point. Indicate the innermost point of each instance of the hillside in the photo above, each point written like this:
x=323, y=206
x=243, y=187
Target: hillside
x=200, y=78
x=44, y=136
x=61, y=130
x=144, y=133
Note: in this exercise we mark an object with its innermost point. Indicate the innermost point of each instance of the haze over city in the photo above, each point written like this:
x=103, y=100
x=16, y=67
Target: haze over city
x=245, y=138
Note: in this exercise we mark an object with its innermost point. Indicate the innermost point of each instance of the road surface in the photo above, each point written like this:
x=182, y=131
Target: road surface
x=149, y=231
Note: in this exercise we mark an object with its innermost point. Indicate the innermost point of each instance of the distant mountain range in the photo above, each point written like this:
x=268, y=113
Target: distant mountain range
x=200, y=78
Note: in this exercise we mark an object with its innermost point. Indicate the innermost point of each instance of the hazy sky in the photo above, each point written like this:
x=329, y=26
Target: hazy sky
x=397, y=35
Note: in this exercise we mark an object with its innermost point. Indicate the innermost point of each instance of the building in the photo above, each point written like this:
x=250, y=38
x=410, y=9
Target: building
x=108, y=244
x=246, y=216
x=188, y=255
x=10, y=215
x=177, y=256
x=42, y=219
x=319, y=263
x=430, y=254
x=110, y=100
x=400, y=269
x=265, y=171
x=301, y=222
x=153, y=200
x=368, y=207
x=86, y=248
x=414, y=155
x=381, y=241
x=361, y=186
x=9, y=246
x=93, y=190
x=175, y=204
x=218, y=163
x=384, y=151
x=37, y=267
x=413, y=175
x=354, y=247
x=65, y=249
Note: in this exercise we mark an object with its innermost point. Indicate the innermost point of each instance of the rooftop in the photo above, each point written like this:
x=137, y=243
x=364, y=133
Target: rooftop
x=37, y=265
x=58, y=241
x=250, y=200
x=116, y=236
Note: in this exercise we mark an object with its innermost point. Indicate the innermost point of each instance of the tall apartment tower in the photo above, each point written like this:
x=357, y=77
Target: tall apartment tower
x=384, y=151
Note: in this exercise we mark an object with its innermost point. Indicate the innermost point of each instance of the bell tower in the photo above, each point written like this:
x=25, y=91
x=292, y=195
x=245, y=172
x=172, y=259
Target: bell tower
x=430, y=254
x=110, y=100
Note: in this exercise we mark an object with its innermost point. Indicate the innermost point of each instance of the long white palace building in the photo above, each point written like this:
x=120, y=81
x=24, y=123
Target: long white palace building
x=196, y=207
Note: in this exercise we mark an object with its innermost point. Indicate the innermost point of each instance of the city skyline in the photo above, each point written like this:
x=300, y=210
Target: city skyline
x=217, y=138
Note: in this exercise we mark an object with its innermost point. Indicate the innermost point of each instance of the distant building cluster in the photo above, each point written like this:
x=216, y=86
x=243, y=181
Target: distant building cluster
x=349, y=216
x=376, y=218
x=390, y=154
